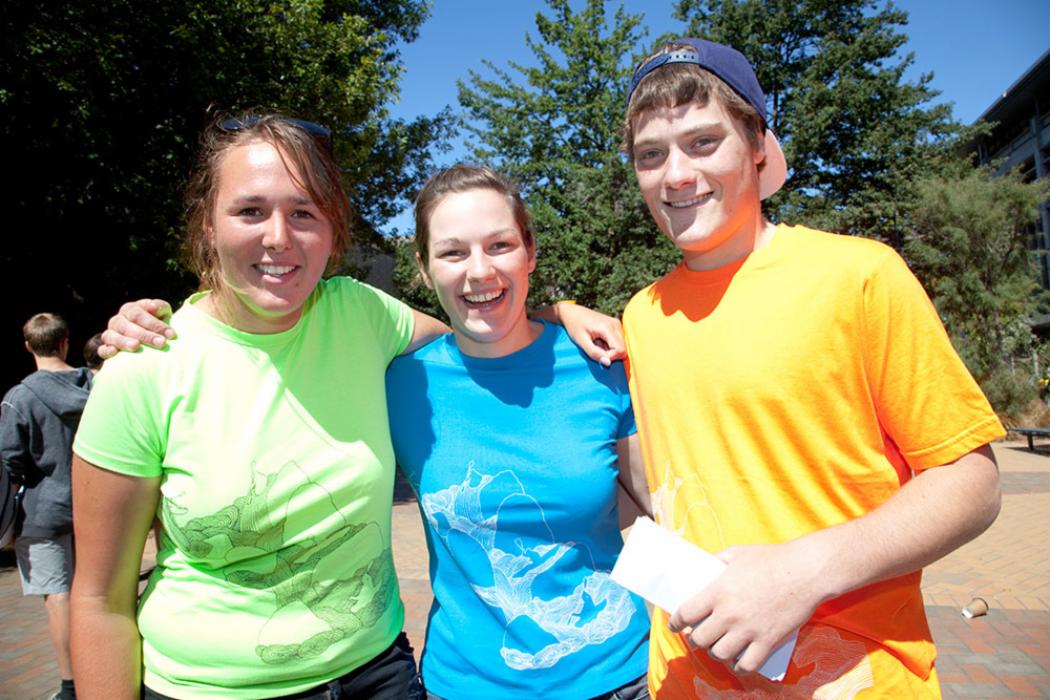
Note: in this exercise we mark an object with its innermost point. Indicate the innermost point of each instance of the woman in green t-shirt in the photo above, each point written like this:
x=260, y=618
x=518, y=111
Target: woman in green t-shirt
x=274, y=573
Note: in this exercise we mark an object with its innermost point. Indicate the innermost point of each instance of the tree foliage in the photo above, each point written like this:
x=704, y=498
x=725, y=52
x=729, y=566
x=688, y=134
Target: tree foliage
x=554, y=126
x=101, y=104
x=968, y=241
x=855, y=132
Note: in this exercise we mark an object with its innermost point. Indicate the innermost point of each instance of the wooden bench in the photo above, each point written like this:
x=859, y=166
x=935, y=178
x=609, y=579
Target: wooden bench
x=1030, y=433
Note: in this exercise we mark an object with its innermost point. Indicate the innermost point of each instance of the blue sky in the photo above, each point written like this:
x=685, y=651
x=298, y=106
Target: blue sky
x=975, y=49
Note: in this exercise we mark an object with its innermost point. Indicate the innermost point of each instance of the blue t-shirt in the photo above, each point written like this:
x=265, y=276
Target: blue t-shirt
x=514, y=462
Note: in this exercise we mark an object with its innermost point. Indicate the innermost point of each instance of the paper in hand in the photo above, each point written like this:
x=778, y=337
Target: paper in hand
x=666, y=570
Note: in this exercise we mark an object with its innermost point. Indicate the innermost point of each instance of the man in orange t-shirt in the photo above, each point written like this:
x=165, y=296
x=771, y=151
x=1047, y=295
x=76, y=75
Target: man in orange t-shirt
x=801, y=410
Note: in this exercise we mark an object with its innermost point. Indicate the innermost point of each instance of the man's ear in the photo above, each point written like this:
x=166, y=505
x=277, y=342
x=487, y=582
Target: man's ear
x=758, y=154
x=532, y=258
x=423, y=272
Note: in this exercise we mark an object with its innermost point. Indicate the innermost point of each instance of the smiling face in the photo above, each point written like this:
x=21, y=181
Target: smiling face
x=271, y=241
x=698, y=173
x=478, y=265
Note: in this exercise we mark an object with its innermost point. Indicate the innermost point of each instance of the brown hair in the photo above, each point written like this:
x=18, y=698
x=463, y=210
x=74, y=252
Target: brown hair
x=676, y=84
x=299, y=150
x=91, y=356
x=44, y=334
x=464, y=178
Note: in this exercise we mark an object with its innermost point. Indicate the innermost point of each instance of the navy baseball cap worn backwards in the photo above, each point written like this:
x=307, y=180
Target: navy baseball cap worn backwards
x=732, y=68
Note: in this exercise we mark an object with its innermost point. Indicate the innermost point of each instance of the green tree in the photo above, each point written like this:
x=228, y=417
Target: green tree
x=855, y=133
x=101, y=104
x=554, y=126
x=968, y=235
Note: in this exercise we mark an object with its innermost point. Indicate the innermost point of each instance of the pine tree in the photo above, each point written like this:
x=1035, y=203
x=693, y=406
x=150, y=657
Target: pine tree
x=101, y=104
x=555, y=126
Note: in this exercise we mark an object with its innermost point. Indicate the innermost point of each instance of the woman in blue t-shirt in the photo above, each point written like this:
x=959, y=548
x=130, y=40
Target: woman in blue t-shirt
x=515, y=443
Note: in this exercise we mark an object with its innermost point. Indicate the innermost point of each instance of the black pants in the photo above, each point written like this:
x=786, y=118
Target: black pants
x=391, y=675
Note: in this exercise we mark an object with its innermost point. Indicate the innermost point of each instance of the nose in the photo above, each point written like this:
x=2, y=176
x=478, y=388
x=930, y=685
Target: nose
x=276, y=236
x=680, y=171
x=479, y=267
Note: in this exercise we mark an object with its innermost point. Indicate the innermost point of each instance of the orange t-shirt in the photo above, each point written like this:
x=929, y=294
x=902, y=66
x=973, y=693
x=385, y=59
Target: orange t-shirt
x=782, y=394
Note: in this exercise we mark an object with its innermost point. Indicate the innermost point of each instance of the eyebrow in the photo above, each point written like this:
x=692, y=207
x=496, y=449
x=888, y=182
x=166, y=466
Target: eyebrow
x=257, y=198
x=689, y=133
x=459, y=241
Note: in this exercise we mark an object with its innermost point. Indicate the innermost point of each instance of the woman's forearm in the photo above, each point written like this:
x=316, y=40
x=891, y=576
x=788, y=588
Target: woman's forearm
x=112, y=514
x=106, y=649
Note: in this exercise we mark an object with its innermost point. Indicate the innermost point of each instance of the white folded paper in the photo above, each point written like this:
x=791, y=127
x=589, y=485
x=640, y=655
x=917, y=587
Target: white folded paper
x=666, y=570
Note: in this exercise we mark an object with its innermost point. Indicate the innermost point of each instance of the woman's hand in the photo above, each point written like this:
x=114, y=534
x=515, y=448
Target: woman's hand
x=137, y=322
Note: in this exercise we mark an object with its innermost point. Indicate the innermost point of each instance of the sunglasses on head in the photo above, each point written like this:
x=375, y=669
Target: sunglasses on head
x=322, y=134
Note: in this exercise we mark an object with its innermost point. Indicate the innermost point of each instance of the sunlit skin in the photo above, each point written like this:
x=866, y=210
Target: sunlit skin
x=698, y=173
x=272, y=241
x=479, y=268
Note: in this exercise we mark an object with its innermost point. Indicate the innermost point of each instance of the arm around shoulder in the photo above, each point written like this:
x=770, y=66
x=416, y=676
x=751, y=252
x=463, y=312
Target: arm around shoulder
x=425, y=328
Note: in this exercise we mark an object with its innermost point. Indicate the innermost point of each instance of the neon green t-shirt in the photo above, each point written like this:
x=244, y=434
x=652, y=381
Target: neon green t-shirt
x=274, y=571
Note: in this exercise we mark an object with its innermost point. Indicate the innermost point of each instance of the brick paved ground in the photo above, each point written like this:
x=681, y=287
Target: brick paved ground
x=1005, y=654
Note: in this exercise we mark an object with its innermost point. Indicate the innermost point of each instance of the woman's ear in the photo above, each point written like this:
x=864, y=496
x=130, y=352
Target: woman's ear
x=209, y=232
x=423, y=272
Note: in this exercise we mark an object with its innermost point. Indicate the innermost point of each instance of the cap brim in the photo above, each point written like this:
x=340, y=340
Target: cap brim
x=774, y=172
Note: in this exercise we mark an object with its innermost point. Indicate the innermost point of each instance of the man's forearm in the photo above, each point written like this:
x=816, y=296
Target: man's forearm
x=934, y=513
x=767, y=591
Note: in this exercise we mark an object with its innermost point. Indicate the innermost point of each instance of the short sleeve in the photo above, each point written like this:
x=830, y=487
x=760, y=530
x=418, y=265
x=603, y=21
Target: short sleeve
x=122, y=428
x=927, y=401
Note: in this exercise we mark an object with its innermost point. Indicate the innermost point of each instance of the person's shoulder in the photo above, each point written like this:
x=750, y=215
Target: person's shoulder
x=344, y=288
x=23, y=391
x=434, y=352
x=815, y=240
x=646, y=296
x=78, y=377
x=192, y=334
x=351, y=299
x=19, y=392
x=836, y=254
x=142, y=362
x=569, y=356
x=559, y=339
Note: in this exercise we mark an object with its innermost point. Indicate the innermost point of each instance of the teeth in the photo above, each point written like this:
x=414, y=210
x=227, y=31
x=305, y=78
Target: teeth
x=487, y=296
x=687, y=202
x=275, y=269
